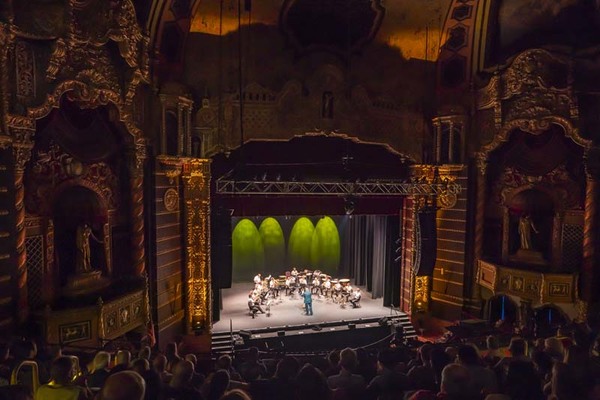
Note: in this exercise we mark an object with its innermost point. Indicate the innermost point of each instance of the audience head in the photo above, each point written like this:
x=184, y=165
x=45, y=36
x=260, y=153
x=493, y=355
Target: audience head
x=253, y=353
x=124, y=385
x=191, y=358
x=517, y=347
x=217, y=385
x=576, y=356
x=348, y=360
x=311, y=384
x=15, y=392
x=455, y=380
x=334, y=358
x=101, y=360
x=564, y=386
x=145, y=352
x=492, y=342
x=425, y=353
x=141, y=365
x=123, y=357
x=235, y=394
x=439, y=360
x=554, y=346
x=287, y=368
x=224, y=362
x=468, y=355
x=62, y=370
x=386, y=359
x=521, y=382
x=542, y=363
x=171, y=350
x=452, y=353
x=160, y=363
x=182, y=374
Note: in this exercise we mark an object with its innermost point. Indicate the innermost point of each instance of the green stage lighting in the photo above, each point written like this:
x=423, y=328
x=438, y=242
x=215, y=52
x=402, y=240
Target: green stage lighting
x=325, y=246
x=274, y=246
x=300, y=243
x=248, y=251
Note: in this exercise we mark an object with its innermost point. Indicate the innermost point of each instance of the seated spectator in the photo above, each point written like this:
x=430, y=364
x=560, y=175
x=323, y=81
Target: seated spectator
x=154, y=386
x=518, y=352
x=145, y=353
x=452, y=353
x=388, y=384
x=439, y=360
x=253, y=368
x=482, y=380
x=282, y=385
x=197, y=378
x=159, y=365
x=172, y=355
x=15, y=392
x=353, y=385
x=455, y=383
x=216, y=385
x=311, y=384
x=492, y=356
x=542, y=363
x=422, y=376
x=334, y=363
x=60, y=386
x=522, y=382
x=224, y=362
x=123, y=360
x=235, y=394
x=124, y=385
x=554, y=348
x=180, y=387
x=100, y=370
x=367, y=365
x=563, y=384
x=26, y=350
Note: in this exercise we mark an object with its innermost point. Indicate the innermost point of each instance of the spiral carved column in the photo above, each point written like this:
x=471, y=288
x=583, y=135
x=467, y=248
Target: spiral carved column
x=590, y=234
x=22, y=153
x=136, y=182
x=479, y=224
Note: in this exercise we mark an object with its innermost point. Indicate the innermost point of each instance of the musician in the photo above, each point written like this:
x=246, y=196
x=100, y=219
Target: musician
x=294, y=272
x=326, y=287
x=355, y=298
x=289, y=285
x=254, y=306
x=302, y=281
x=337, y=291
x=307, y=301
x=273, y=287
x=257, y=279
x=316, y=286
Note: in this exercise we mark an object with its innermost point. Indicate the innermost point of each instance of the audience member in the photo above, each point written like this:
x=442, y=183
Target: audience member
x=311, y=384
x=388, y=384
x=124, y=385
x=60, y=386
x=172, y=355
x=352, y=385
x=100, y=370
x=482, y=381
x=216, y=385
x=123, y=359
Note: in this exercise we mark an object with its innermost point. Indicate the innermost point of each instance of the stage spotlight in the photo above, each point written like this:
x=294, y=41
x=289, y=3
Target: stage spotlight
x=317, y=328
x=351, y=326
x=349, y=205
x=280, y=333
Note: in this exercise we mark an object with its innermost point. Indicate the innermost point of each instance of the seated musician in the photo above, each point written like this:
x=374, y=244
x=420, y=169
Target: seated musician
x=294, y=272
x=273, y=287
x=289, y=286
x=355, y=298
x=302, y=281
x=257, y=279
x=316, y=286
x=254, y=306
x=326, y=287
x=337, y=291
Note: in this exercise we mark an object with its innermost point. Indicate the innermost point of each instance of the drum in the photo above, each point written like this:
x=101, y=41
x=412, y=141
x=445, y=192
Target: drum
x=342, y=281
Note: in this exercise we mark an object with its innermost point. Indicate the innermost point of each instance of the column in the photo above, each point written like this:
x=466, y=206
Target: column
x=163, y=126
x=438, y=141
x=180, y=131
x=22, y=154
x=589, y=275
x=137, y=156
x=196, y=189
x=451, y=143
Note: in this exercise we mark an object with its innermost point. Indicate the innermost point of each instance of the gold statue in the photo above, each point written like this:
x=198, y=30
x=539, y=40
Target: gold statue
x=83, y=248
x=525, y=227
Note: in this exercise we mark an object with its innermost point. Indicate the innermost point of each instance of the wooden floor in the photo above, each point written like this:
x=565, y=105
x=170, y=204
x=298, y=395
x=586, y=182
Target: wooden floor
x=290, y=310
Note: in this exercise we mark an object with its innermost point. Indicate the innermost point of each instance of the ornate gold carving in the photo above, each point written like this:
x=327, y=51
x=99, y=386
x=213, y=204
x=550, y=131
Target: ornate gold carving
x=136, y=182
x=171, y=199
x=196, y=179
x=6, y=41
x=421, y=298
x=25, y=63
x=172, y=166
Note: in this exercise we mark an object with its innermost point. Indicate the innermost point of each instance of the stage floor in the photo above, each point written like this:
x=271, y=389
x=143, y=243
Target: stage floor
x=290, y=310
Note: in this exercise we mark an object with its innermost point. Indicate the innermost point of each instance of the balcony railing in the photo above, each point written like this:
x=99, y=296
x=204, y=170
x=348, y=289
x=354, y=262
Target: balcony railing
x=537, y=287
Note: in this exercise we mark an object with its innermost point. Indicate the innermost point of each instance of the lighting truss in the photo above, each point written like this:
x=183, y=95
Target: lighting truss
x=226, y=185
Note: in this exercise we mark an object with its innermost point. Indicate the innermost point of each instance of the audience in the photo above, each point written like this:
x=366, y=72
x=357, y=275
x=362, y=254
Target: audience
x=565, y=367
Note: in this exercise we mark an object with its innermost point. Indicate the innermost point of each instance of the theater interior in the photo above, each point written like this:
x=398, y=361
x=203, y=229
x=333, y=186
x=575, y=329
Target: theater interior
x=196, y=173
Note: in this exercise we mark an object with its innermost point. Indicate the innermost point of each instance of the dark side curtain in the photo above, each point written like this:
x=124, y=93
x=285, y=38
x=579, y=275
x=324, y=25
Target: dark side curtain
x=367, y=254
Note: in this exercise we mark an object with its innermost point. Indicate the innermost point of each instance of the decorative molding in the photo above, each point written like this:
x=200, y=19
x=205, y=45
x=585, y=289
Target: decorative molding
x=196, y=184
x=172, y=166
x=171, y=199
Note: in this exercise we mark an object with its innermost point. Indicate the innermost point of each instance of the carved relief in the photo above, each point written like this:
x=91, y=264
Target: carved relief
x=25, y=63
x=53, y=168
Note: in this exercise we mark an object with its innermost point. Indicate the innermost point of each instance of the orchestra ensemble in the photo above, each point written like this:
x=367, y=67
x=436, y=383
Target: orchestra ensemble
x=338, y=291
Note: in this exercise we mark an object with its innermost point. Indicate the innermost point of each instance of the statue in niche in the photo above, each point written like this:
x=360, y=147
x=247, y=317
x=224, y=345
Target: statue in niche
x=525, y=227
x=327, y=107
x=83, y=264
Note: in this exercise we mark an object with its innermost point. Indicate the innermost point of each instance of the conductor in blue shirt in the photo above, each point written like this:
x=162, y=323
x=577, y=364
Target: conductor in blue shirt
x=307, y=301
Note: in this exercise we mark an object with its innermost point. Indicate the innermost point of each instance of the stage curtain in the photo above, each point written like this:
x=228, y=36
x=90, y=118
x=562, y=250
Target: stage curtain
x=366, y=253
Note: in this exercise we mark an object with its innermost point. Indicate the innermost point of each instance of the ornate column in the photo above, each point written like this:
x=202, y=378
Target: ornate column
x=480, y=206
x=180, y=131
x=451, y=142
x=22, y=154
x=589, y=276
x=196, y=189
x=438, y=140
x=137, y=156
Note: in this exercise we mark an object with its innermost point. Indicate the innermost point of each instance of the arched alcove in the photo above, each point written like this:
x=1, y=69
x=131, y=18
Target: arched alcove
x=501, y=308
x=73, y=207
x=547, y=319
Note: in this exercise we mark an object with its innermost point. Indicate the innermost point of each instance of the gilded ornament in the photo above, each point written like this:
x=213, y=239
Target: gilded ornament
x=171, y=199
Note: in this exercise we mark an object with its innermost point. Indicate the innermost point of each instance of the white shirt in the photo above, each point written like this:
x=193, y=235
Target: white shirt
x=257, y=279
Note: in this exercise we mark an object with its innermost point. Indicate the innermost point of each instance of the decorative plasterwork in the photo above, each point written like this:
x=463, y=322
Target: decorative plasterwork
x=172, y=166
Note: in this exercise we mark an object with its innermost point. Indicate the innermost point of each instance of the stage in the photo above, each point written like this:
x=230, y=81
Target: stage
x=290, y=310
